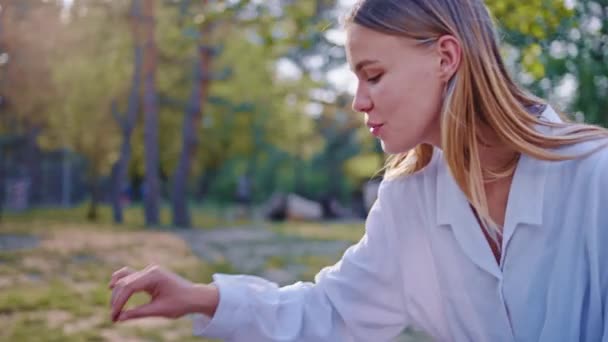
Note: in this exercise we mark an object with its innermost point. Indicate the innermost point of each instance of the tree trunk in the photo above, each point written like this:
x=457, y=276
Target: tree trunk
x=119, y=175
x=33, y=161
x=190, y=141
x=2, y=176
x=257, y=132
x=151, y=178
x=333, y=173
x=30, y=154
x=92, y=213
x=118, y=182
x=127, y=124
x=204, y=183
x=298, y=165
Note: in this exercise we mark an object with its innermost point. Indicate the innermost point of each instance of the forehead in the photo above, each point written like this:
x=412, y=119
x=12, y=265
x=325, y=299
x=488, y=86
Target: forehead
x=366, y=44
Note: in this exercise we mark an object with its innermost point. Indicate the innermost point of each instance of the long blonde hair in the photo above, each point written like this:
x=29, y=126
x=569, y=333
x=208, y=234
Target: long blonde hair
x=481, y=93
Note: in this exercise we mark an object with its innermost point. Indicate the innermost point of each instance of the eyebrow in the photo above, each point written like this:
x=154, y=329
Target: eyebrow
x=364, y=63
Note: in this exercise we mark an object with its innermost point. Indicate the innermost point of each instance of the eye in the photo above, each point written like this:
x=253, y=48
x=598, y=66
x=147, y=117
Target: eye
x=375, y=79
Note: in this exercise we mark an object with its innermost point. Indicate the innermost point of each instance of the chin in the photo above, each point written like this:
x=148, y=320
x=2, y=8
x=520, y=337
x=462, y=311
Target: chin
x=389, y=148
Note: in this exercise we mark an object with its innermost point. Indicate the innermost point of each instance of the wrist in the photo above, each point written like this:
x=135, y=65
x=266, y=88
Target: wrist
x=204, y=299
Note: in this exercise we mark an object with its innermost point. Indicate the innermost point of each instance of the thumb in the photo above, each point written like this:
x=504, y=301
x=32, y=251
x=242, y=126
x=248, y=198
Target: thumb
x=152, y=309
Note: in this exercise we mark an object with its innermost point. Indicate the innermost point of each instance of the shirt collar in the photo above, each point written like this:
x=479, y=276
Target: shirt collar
x=525, y=205
x=526, y=196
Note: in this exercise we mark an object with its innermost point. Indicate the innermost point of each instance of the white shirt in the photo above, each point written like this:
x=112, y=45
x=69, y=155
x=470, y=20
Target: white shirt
x=424, y=262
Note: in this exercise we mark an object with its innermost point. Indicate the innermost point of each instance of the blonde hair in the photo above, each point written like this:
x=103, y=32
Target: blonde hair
x=481, y=93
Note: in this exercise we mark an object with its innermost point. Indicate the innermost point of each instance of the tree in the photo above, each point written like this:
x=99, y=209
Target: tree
x=87, y=83
x=25, y=88
x=584, y=59
x=128, y=120
x=339, y=130
x=244, y=110
x=192, y=118
x=150, y=101
x=561, y=50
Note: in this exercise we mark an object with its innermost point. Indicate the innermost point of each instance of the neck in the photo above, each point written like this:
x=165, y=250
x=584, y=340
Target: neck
x=494, y=156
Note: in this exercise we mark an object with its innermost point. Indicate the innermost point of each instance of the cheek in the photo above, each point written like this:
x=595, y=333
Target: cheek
x=415, y=105
x=425, y=89
x=391, y=95
x=415, y=89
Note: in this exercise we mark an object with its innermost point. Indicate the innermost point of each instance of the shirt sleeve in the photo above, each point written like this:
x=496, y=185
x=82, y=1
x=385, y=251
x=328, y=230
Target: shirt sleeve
x=600, y=236
x=358, y=299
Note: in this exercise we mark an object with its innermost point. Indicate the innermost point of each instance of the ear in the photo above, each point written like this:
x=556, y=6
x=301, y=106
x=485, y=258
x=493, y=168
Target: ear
x=450, y=54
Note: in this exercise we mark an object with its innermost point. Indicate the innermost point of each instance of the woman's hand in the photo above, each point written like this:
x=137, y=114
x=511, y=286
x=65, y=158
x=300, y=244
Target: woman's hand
x=171, y=295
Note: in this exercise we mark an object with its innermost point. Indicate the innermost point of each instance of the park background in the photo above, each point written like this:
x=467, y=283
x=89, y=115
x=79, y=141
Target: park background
x=207, y=136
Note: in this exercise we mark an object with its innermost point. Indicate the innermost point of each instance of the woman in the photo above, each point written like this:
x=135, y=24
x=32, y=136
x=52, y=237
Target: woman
x=488, y=225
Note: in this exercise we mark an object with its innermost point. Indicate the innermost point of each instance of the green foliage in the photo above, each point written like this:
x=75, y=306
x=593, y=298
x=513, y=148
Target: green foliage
x=531, y=20
x=95, y=73
x=256, y=120
x=556, y=43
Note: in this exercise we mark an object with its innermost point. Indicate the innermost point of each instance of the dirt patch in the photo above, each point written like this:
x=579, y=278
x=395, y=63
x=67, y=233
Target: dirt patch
x=7, y=320
x=112, y=335
x=40, y=263
x=6, y=281
x=137, y=249
x=56, y=318
x=84, y=287
x=148, y=323
x=88, y=323
x=72, y=241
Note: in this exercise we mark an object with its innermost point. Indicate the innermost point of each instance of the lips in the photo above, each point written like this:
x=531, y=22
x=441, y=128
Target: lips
x=374, y=128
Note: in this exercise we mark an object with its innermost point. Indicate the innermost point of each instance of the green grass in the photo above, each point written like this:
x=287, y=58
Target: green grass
x=277, y=261
x=27, y=327
x=314, y=264
x=55, y=295
x=351, y=232
x=40, y=284
x=49, y=282
x=43, y=219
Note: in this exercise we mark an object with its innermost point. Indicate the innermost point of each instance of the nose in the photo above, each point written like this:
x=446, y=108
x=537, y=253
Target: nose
x=362, y=102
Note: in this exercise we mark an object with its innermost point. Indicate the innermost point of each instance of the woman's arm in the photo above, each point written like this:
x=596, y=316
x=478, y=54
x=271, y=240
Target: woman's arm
x=358, y=299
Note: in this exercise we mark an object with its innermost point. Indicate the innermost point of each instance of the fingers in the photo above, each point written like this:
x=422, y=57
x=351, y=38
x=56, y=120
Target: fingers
x=130, y=284
x=121, y=273
x=147, y=310
x=116, y=276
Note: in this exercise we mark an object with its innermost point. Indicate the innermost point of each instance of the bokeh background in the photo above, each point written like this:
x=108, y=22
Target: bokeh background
x=207, y=136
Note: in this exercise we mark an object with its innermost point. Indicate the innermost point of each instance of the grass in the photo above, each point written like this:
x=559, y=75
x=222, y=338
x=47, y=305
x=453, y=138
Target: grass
x=39, y=219
x=65, y=310
x=323, y=231
x=58, y=290
x=314, y=264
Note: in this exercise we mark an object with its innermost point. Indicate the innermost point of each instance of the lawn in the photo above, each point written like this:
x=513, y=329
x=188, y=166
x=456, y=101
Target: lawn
x=57, y=291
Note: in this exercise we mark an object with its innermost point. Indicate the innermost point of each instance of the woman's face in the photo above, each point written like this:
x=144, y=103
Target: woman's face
x=400, y=87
